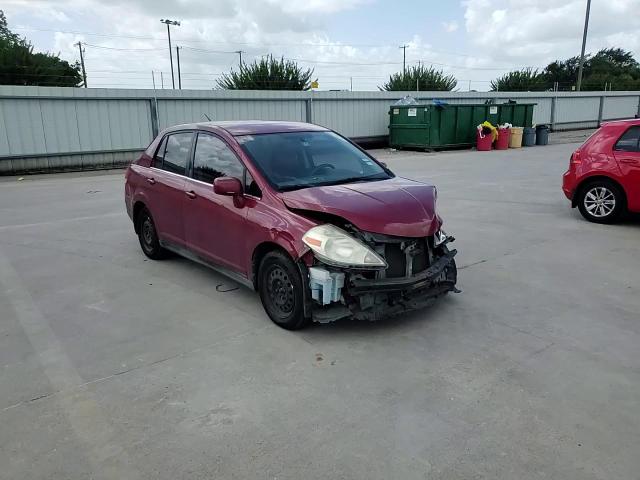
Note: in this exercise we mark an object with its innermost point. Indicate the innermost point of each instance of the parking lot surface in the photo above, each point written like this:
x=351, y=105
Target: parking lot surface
x=115, y=366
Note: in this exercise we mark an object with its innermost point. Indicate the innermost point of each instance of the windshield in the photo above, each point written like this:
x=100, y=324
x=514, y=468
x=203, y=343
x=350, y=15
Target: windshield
x=295, y=160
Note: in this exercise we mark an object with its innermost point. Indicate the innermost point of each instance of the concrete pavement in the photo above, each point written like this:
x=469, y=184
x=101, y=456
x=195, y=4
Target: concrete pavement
x=113, y=366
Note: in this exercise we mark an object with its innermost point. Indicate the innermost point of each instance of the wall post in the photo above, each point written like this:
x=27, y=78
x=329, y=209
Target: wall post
x=601, y=109
x=308, y=103
x=153, y=113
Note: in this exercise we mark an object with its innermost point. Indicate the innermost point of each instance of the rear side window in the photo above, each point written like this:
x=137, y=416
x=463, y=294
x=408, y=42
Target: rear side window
x=629, y=141
x=213, y=159
x=176, y=152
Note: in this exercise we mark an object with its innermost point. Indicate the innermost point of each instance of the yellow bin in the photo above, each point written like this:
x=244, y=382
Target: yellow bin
x=516, y=137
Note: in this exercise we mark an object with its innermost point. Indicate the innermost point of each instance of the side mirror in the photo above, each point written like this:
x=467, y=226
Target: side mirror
x=384, y=164
x=229, y=186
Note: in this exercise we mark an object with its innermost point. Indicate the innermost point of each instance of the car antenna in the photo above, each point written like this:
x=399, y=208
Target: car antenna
x=206, y=116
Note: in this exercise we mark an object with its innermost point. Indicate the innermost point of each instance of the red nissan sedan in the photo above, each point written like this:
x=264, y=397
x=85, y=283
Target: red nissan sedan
x=316, y=225
x=603, y=179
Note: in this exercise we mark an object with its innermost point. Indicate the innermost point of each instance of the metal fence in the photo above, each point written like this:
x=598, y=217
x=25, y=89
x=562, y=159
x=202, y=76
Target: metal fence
x=56, y=128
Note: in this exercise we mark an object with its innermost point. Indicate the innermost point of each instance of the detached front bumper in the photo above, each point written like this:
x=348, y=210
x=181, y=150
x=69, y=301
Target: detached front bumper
x=366, y=298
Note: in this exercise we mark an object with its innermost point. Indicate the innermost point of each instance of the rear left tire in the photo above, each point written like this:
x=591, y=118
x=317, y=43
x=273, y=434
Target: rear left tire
x=148, y=236
x=601, y=201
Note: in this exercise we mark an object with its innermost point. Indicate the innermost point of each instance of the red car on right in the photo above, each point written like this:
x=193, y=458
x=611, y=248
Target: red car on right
x=603, y=179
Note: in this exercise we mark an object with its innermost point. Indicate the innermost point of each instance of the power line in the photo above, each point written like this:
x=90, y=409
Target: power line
x=458, y=67
x=103, y=47
x=229, y=43
x=211, y=51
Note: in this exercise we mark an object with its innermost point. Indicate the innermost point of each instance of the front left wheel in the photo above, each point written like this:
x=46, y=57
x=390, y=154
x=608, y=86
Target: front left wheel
x=281, y=290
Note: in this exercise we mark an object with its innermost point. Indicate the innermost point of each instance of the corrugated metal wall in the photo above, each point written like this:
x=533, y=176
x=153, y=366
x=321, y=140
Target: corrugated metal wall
x=173, y=112
x=45, y=128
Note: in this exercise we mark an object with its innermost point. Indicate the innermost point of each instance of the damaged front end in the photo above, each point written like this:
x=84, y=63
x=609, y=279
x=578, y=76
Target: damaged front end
x=402, y=274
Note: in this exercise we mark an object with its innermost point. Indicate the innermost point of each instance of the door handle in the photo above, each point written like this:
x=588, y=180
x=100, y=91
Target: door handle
x=152, y=181
x=191, y=194
x=630, y=161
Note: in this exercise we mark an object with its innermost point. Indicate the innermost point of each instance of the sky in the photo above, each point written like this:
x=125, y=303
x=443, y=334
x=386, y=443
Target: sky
x=349, y=43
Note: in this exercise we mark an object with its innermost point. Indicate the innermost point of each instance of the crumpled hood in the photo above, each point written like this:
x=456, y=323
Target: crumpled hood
x=398, y=206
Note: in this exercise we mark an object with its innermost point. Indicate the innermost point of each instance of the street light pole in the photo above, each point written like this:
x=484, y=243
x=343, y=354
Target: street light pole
x=179, y=75
x=584, y=44
x=168, y=23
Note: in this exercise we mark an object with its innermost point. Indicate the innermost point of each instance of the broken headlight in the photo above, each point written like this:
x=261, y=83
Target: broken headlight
x=439, y=238
x=336, y=247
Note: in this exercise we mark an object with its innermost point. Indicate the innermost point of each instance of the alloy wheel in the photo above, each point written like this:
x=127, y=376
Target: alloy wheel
x=599, y=201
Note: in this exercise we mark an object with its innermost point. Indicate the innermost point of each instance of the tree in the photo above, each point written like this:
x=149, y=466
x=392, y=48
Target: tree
x=525, y=80
x=267, y=74
x=5, y=33
x=420, y=78
x=20, y=65
x=611, y=68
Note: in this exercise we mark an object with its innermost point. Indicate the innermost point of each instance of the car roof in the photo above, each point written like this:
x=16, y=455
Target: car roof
x=628, y=121
x=253, y=127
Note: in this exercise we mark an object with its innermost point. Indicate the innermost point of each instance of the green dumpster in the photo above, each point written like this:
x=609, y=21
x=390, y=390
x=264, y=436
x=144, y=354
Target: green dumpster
x=450, y=125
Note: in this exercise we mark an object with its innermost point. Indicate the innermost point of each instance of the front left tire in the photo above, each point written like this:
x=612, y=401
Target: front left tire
x=281, y=291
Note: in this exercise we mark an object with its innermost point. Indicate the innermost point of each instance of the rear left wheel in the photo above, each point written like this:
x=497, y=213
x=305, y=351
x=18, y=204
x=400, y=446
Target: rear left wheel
x=148, y=236
x=601, y=201
x=281, y=290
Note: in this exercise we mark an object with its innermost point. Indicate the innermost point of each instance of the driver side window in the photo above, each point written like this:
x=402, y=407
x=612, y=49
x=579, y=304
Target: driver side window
x=213, y=159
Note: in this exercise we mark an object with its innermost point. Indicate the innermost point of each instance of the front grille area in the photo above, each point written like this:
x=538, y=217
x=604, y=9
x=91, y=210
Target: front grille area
x=396, y=259
x=402, y=254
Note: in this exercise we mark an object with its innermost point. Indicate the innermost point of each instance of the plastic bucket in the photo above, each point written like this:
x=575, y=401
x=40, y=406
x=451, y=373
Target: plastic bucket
x=542, y=135
x=483, y=141
x=502, y=142
x=529, y=137
x=516, y=137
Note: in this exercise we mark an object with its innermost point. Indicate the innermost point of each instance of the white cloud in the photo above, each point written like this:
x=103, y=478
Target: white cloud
x=208, y=36
x=451, y=26
x=535, y=32
x=501, y=34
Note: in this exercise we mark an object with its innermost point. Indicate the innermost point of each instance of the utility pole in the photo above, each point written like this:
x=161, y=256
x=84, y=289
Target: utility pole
x=153, y=79
x=84, y=72
x=240, y=52
x=168, y=23
x=351, y=81
x=584, y=43
x=404, y=58
x=178, y=60
x=161, y=80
